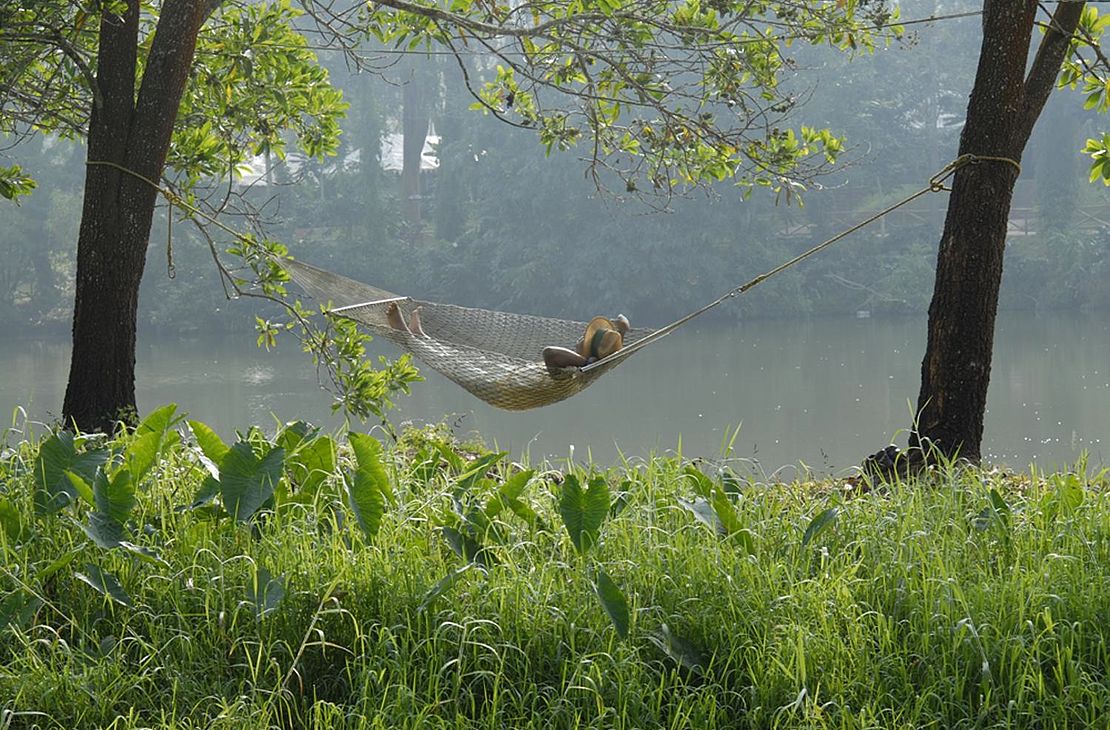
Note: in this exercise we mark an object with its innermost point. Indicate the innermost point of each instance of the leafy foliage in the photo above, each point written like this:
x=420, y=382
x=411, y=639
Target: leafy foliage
x=913, y=609
x=667, y=95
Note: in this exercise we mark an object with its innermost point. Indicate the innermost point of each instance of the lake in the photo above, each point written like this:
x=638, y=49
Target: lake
x=823, y=392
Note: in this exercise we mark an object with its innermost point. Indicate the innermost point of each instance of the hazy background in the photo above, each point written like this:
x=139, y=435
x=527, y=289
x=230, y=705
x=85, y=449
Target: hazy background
x=491, y=222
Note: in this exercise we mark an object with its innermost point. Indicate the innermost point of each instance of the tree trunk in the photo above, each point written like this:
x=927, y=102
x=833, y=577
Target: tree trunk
x=128, y=141
x=1002, y=110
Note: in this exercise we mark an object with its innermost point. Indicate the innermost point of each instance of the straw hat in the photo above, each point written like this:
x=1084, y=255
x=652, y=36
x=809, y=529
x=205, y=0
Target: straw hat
x=604, y=336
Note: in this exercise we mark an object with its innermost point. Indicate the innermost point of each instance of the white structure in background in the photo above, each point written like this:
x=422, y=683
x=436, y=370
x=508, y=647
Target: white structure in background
x=393, y=151
x=392, y=160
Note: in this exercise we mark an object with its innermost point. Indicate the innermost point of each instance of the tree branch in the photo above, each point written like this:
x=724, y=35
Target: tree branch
x=1041, y=79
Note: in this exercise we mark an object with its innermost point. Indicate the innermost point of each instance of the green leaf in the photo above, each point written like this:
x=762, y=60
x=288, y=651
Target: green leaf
x=443, y=585
x=364, y=494
x=246, y=481
x=703, y=512
x=10, y=522
x=264, y=592
x=368, y=454
x=819, y=524
x=158, y=421
x=310, y=464
x=292, y=435
x=683, y=652
x=703, y=485
x=466, y=547
x=59, y=562
x=612, y=600
x=584, y=512
x=476, y=470
x=211, y=445
x=142, y=454
x=82, y=488
x=104, y=583
x=114, y=497
x=18, y=608
x=104, y=531
x=57, y=455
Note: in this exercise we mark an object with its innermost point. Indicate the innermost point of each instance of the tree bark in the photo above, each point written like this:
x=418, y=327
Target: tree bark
x=129, y=138
x=1003, y=108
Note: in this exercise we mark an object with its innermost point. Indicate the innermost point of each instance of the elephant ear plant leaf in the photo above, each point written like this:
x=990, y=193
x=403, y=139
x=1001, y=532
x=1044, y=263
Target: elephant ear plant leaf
x=58, y=455
x=368, y=487
x=247, y=481
x=583, y=511
x=612, y=600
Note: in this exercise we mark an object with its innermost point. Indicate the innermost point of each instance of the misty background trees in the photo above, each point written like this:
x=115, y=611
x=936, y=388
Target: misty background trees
x=491, y=220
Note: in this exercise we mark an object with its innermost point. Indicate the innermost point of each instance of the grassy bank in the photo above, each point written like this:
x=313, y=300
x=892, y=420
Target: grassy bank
x=292, y=580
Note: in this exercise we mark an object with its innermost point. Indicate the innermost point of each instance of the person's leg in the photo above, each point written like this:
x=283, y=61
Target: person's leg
x=557, y=358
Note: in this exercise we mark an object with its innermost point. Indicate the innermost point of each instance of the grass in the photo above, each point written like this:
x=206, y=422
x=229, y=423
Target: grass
x=967, y=599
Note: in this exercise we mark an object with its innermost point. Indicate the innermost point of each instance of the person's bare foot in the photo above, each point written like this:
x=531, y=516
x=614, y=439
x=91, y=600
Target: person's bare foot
x=414, y=324
x=395, y=318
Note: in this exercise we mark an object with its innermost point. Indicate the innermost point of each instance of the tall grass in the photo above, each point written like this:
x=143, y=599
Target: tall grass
x=965, y=599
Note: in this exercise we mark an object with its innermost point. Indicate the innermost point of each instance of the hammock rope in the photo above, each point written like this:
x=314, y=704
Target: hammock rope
x=497, y=355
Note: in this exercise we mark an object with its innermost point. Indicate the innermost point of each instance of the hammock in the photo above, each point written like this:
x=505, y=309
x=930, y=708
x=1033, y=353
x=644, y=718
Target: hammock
x=497, y=356
x=494, y=355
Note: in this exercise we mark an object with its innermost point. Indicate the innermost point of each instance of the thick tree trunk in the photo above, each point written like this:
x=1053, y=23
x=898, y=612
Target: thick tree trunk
x=1002, y=110
x=125, y=134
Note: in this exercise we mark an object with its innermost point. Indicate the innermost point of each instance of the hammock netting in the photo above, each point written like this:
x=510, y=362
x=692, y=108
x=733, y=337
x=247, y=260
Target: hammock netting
x=497, y=356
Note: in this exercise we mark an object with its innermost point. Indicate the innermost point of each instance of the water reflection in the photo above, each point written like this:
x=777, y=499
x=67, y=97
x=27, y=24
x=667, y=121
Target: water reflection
x=822, y=392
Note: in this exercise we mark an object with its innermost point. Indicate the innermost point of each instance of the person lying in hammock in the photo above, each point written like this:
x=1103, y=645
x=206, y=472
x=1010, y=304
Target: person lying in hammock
x=603, y=337
x=396, y=319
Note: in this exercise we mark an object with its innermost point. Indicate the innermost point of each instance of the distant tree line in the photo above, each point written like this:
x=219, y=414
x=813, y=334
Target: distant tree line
x=501, y=224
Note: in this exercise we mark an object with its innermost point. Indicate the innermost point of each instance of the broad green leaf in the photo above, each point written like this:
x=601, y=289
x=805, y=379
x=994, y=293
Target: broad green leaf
x=1069, y=490
x=466, y=547
x=208, y=491
x=725, y=510
x=703, y=512
x=211, y=445
x=246, y=481
x=292, y=435
x=476, y=470
x=368, y=454
x=158, y=421
x=142, y=454
x=10, y=522
x=57, y=455
x=58, y=563
x=311, y=464
x=612, y=600
x=18, y=608
x=264, y=592
x=508, y=495
x=364, y=494
x=104, y=583
x=114, y=497
x=443, y=585
x=583, y=512
x=104, y=531
x=703, y=485
x=82, y=488
x=683, y=652
x=455, y=461
x=819, y=524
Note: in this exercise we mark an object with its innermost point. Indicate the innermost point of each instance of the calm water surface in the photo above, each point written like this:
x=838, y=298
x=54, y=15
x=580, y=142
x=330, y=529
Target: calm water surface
x=821, y=392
